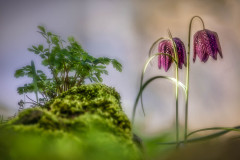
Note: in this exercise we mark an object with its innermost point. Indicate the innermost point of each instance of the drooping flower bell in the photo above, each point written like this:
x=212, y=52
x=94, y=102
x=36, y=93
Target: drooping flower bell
x=165, y=46
x=206, y=43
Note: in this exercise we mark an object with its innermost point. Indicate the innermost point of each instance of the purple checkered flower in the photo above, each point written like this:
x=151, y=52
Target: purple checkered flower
x=165, y=46
x=206, y=43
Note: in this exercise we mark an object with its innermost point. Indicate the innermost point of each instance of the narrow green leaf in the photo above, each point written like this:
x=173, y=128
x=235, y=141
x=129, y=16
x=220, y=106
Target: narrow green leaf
x=49, y=33
x=99, y=77
x=40, y=48
x=45, y=50
x=103, y=60
x=34, y=47
x=117, y=65
x=41, y=28
x=105, y=72
x=19, y=73
x=31, y=50
x=42, y=56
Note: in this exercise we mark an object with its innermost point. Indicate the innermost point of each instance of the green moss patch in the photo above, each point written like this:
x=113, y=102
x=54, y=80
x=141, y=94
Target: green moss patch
x=91, y=116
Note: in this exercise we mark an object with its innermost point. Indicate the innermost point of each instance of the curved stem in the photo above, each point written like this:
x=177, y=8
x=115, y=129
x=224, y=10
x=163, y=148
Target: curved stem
x=207, y=137
x=145, y=85
x=203, y=25
x=145, y=67
x=214, y=128
x=187, y=74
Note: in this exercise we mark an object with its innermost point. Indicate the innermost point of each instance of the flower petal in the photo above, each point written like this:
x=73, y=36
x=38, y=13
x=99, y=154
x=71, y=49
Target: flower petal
x=218, y=45
x=206, y=43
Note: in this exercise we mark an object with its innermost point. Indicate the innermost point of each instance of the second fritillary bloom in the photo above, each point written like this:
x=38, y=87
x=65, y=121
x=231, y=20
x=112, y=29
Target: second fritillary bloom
x=206, y=43
x=165, y=46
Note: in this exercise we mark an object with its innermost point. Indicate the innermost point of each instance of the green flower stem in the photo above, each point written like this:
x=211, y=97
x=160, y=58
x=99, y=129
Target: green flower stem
x=145, y=85
x=187, y=75
x=176, y=72
x=207, y=137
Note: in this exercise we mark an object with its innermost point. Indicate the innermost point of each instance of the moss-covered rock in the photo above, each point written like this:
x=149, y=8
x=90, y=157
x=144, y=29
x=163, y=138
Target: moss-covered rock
x=91, y=114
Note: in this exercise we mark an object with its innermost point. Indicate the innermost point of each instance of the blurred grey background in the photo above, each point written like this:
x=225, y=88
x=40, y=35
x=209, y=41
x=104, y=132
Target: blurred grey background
x=125, y=30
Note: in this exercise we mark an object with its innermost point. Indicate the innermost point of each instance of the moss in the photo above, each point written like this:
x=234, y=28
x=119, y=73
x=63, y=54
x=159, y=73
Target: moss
x=95, y=99
x=92, y=91
x=90, y=114
x=28, y=117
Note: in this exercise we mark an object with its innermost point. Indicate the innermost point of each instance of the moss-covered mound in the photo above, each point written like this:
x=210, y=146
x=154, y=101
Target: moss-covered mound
x=83, y=123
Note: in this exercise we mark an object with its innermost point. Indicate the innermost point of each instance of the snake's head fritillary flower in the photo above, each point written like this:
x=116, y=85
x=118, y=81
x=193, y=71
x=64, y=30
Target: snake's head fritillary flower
x=165, y=46
x=206, y=43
